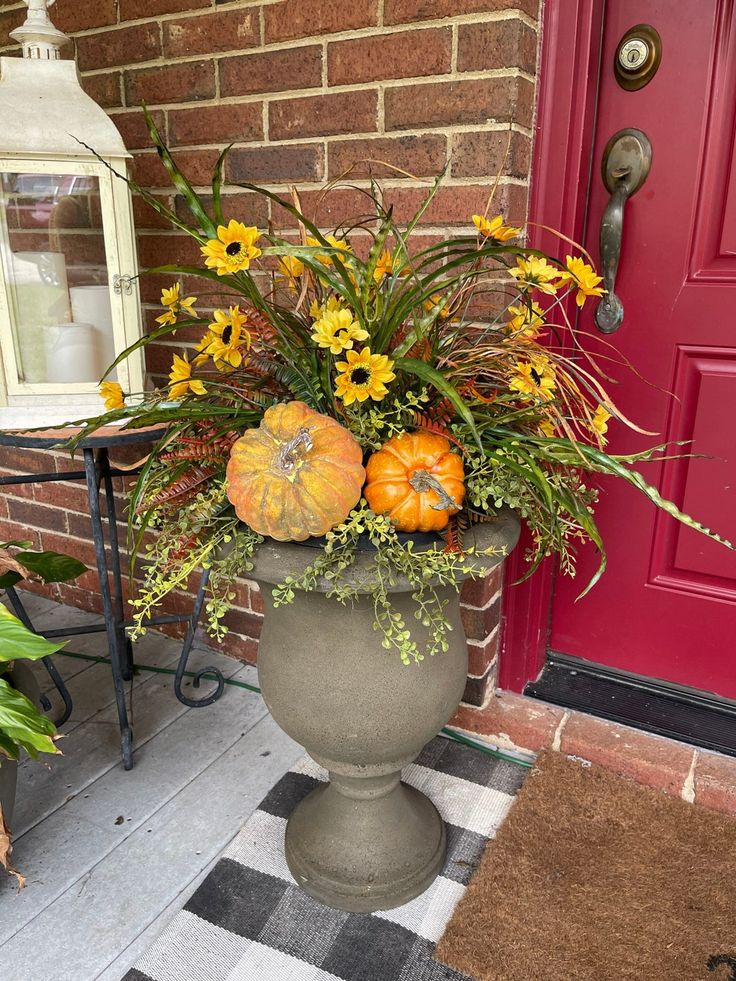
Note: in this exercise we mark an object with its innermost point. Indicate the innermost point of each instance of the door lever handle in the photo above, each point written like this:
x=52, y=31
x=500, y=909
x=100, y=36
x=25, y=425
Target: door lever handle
x=626, y=163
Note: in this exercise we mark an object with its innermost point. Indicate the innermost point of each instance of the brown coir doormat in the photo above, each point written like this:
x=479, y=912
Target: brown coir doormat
x=593, y=878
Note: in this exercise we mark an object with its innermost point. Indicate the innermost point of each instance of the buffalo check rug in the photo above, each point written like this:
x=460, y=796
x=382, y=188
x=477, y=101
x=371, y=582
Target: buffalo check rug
x=249, y=921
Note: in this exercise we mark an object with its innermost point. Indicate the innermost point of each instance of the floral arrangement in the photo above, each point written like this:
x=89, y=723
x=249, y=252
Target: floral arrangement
x=359, y=385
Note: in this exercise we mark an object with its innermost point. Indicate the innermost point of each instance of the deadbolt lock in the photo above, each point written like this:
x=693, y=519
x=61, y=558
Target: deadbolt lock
x=637, y=57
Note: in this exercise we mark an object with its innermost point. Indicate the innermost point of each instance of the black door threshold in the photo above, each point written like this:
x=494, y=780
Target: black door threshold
x=675, y=711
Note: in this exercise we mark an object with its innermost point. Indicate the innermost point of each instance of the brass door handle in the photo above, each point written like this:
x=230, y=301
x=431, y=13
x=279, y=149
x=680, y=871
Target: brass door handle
x=627, y=160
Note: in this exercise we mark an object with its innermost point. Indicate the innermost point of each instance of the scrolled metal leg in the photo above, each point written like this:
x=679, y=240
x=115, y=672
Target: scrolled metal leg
x=111, y=622
x=124, y=647
x=20, y=612
x=184, y=657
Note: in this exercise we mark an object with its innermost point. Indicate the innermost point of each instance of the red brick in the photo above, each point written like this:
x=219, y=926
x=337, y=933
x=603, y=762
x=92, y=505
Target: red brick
x=383, y=56
x=478, y=624
x=216, y=124
x=221, y=31
x=340, y=206
x=133, y=9
x=715, y=782
x=83, y=15
x=478, y=688
x=163, y=250
x=277, y=164
x=244, y=649
x=651, y=760
x=496, y=44
x=490, y=153
x=190, y=81
x=248, y=207
x=404, y=11
x=512, y=720
x=481, y=655
x=145, y=216
x=9, y=20
x=455, y=205
x=502, y=98
x=10, y=531
x=324, y=115
x=479, y=592
x=421, y=156
x=63, y=495
x=25, y=461
x=133, y=128
x=287, y=20
x=197, y=165
x=125, y=46
x=105, y=89
x=272, y=71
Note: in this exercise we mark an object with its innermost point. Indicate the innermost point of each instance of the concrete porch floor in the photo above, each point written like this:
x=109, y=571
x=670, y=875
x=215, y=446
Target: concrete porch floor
x=111, y=856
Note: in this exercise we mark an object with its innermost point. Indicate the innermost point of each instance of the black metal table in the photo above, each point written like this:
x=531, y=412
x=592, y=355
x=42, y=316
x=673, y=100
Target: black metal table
x=98, y=474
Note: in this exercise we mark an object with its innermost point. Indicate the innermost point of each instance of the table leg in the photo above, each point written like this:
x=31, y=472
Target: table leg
x=20, y=612
x=117, y=650
x=188, y=641
x=124, y=645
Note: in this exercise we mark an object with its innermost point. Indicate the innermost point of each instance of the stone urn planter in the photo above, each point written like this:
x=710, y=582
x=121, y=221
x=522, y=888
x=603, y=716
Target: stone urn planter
x=364, y=841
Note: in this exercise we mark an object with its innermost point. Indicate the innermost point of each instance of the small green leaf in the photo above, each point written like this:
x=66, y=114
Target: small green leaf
x=51, y=566
x=17, y=642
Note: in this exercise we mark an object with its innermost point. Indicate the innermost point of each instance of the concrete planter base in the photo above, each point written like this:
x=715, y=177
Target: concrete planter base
x=365, y=841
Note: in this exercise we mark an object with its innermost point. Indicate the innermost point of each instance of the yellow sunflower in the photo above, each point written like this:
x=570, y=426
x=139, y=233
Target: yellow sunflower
x=233, y=249
x=318, y=310
x=583, y=277
x=599, y=424
x=229, y=337
x=436, y=303
x=113, y=395
x=291, y=268
x=363, y=375
x=384, y=266
x=526, y=324
x=537, y=273
x=340, y=244
x=181, y=381
x=495, y=228
x=175, y=306
x=534, y=378
x=547, y=428
x=336, y=330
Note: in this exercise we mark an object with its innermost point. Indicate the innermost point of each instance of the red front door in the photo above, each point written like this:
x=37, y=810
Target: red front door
x=666, y=607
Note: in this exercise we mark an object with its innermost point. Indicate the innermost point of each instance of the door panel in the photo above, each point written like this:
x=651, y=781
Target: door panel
x=666, y=607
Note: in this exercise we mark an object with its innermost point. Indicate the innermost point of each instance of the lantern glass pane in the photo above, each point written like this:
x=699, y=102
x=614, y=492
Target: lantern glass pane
x=59, y=293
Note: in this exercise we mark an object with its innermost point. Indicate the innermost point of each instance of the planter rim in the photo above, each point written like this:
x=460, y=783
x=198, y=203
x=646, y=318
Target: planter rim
x=273, y=560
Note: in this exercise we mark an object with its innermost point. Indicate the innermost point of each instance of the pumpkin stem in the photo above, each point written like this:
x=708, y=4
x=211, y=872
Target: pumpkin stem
x=287, y=457
x=423, y=481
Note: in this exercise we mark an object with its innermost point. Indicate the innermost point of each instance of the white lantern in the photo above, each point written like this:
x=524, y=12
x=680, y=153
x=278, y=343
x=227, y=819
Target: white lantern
x=69, y=301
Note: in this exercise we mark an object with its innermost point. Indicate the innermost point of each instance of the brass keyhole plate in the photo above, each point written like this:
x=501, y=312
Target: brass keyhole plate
x=637, y=58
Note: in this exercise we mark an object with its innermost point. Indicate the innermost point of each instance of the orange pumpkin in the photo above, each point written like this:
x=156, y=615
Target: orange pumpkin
x=416, y=480
x=298, y=474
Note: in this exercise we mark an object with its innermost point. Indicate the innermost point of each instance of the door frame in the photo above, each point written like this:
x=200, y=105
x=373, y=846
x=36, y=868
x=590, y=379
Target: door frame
x=568, y=81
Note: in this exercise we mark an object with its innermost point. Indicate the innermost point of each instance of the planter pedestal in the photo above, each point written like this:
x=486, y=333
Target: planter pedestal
x=365, y=841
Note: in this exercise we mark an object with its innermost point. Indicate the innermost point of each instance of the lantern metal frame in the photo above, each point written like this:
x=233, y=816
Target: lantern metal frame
x=47, y=120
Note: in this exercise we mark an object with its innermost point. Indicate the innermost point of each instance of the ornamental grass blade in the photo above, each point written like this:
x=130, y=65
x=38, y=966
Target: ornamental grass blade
x=427, y=373
x=178, y=179
x=217, y=186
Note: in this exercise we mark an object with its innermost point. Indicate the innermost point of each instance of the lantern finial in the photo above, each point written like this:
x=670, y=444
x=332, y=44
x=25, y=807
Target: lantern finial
x=38, y=36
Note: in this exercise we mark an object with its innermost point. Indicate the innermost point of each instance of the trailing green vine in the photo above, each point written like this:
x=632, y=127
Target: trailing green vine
x=427, y=571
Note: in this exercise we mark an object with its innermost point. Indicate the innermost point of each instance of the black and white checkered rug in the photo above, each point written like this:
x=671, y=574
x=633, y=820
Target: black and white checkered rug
x=249, y=921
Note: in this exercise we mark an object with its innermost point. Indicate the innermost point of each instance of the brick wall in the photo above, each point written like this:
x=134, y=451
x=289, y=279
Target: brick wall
x=304, y=91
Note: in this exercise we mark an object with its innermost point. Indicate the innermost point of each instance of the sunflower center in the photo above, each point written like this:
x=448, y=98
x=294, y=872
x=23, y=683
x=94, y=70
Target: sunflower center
x=227, y=334
x=233, y=249
x=360, y=376
x=536, y=376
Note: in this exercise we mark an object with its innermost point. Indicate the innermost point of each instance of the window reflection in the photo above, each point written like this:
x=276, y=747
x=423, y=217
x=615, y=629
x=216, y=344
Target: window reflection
x=61, y=313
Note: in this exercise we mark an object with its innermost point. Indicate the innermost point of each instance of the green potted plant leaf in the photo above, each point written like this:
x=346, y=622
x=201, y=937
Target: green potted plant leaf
x=23, y=727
